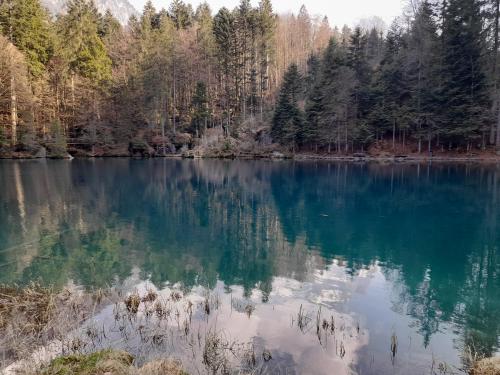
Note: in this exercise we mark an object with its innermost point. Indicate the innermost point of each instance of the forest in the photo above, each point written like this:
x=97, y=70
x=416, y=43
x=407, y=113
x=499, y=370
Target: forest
x=247, y=80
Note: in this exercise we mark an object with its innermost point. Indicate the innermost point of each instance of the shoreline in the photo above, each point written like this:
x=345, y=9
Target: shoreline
x=298, y=157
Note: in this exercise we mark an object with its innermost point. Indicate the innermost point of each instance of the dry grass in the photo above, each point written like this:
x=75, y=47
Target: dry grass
x=33, y=316
x=487, y=366
x=34, y=303
x=108, y=362
x=162, y=367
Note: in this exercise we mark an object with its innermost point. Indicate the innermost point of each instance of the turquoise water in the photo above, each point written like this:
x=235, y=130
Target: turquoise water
x=410, y=250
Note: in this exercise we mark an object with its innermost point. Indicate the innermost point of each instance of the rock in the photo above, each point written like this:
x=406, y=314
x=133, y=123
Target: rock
x=277, y=155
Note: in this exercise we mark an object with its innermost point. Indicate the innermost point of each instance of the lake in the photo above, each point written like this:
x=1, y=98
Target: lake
x=406, y=252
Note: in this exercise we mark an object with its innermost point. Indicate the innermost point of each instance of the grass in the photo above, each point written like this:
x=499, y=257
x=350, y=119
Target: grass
x=33, y=316
x=106, y=361
x=34, y=303
x=487, y=366
x=109, y=362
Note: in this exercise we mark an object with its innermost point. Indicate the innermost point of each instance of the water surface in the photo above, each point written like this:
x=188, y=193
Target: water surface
x=395, y=249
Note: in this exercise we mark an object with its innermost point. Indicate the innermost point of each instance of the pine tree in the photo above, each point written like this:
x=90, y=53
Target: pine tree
x=357, y=60
x=267, y=28
x=315, y=101
x=465, y=90
x=288, y=117
x=200, y=108
x=338, y=82
x=374, y=48
x=26, y=24
x=181, y=14
x=493, y=28
x=227, y=56
x=80, y=42
x=204, y=31
x=423, y=74
x=149, y=18
x=108, y=25
x=390, y=91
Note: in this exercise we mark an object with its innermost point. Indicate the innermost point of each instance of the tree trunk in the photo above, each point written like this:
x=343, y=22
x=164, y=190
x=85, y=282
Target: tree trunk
x=73, y=102
x=13, y=110
x=496, y=101
x=498, y=130
x=163, y=136
x=174, y=100
x=394, y=134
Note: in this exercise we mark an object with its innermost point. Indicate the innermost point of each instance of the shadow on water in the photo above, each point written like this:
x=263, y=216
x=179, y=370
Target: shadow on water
x=410, y=250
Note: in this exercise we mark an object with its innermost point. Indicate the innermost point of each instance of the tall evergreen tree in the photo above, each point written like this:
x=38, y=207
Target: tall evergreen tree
x=465, y=89
x=181, y=13
x=390, y=91
x=26, y=24
x=288, y=117
x=227, y=55
x=423, y=71
x=267, y=27
x=200, y=108
x=81, y=44
x=358, y=62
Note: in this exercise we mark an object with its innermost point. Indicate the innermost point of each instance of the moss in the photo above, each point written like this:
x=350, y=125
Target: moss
x=104, y=362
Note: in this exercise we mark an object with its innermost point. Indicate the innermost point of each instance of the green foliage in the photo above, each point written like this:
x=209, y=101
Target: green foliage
x=326, y=106
x=94, y=363
x=57, y=147
x=424, y=81
x=224, y=30
x=26, y=24
x=288, y=117
x=4, y=139
x=182, y=14
x=108, y=25
x=200, y=107
x=464, y=87
x=81, y=44
x=391, y=92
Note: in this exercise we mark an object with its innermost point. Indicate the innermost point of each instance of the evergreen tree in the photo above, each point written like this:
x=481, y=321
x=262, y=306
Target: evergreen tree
x=108, y=25
x=423, y=71
x=26, y=24
x=181, y=14
x=315, y=92
x=464, y=88
x=227, y=55
x=288, y=117
x=361, y=106
x=390, y=91
x=267, y=27
x=81, y=44
x=200, y=108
